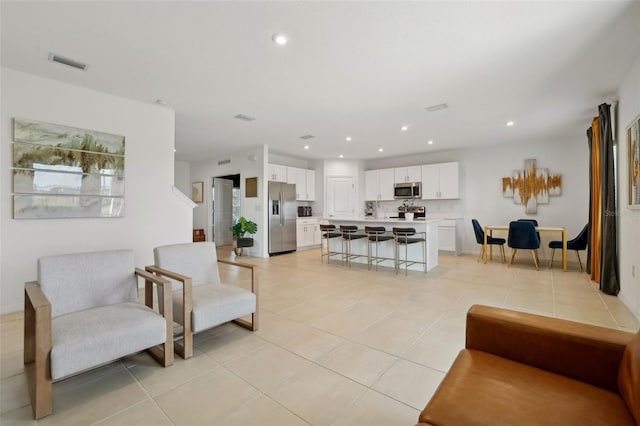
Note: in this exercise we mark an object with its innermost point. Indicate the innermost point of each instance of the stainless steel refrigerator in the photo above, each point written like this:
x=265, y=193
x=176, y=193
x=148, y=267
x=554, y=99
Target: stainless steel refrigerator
x=282, y=217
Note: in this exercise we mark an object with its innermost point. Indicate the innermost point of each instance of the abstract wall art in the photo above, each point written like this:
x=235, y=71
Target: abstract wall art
x=531, y=186
x=66, y=172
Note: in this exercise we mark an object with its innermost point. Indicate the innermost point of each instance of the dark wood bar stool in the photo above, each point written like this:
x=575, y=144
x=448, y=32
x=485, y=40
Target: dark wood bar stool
x=404, y=237
x=375, y=236
x=350, y=233
x=328, y=232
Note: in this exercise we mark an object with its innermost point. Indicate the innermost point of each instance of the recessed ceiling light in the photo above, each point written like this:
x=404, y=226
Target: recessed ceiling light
x=430, y=142
x=380, y=149
x=348, y=139
x=280, y=39
x=306, y=147
x=510, y=123
x=341, y=156
x=404, y=128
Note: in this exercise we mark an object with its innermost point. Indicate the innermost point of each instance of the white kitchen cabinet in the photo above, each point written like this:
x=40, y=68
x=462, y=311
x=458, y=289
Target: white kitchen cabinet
x=379, y=184
x=277, y=173
x=311, y=185
x=305, y=182
x=407, y=174
x=449, y=236
x=307, y=232
x=440, y=181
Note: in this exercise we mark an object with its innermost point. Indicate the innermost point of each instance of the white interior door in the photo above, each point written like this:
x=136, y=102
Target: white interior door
x=222, y=211
x=341, y=196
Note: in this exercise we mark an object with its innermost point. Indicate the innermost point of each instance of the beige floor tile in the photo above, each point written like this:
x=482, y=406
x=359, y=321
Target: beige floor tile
x=267, y=366
x=144, y=413
x=262, y=411
x=372, y=408
x=308, y=312
x=347, y=323
x=231, y=345
x=394, y=334
x=93, y=396
x=14, y=393
x=591, y=316
x=410, y=383
x=207, y=398
x=438, y=346
x=20, y=417
x=317, y=395
x=157, y=379
x=358, y=362
x=309, y=342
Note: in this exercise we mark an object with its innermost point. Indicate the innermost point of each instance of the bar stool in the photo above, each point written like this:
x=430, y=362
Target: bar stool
x=376, y=235
x=404, y=237
x=349, y=233
x=327, y=232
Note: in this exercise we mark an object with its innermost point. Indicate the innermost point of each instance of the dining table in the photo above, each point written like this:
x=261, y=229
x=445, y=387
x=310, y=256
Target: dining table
x=488, y=231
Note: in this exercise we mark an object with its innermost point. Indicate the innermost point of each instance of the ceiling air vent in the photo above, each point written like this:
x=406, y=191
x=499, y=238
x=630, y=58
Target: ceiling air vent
x=244, y=117
x=68, y=62
x=223, y=162
x=307, y=137
x=434, y=108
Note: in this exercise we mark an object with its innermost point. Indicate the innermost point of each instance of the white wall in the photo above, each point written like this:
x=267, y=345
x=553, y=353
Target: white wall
x=153, y=215
x=249, y=163
x=182, y=179
x=628, y=220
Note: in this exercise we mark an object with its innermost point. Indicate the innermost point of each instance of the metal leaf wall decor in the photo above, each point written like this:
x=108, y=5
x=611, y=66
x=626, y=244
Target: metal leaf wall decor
x=531, y=186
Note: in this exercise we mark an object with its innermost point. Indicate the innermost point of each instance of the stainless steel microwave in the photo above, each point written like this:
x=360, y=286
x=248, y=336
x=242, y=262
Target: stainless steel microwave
x=407, y=190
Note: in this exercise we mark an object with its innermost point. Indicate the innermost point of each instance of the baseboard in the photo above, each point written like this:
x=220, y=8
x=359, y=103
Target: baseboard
x=627, y=303
x=10, y=309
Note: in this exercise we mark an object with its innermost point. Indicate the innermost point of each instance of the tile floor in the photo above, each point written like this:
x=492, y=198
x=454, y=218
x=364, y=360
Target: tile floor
x=336, y=346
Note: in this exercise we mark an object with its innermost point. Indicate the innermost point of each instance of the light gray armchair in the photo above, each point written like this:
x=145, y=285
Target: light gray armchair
x=204, y=301
x=83, y=312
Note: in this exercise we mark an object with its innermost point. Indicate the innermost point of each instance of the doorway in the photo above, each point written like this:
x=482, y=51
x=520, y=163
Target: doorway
x=341, y=196
x=225, y=208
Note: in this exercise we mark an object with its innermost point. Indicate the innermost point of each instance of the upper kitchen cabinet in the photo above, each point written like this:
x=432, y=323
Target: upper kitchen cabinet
x=408, y=174
x=379, y=184
x=305, y=182
x=276, y=173
x=440, y=181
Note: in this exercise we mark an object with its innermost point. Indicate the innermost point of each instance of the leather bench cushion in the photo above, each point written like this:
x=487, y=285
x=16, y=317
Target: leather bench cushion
x=485, y=389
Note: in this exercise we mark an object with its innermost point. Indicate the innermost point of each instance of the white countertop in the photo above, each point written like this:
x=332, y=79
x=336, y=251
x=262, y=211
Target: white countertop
x=374, y=220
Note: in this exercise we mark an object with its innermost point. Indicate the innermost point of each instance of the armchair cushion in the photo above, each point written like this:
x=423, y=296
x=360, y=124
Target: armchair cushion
x=79, y=281
x=84, y=339
x=215, y=304
x=485, y=389
x=196, y=261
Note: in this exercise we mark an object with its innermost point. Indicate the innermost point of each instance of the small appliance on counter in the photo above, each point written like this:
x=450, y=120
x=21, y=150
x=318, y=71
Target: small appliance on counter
x=369, y=210
x=304, y=211
x=419, y=212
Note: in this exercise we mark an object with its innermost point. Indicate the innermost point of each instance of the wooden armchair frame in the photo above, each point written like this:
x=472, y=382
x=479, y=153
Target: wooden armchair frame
x=38, y=341
x=185, y=350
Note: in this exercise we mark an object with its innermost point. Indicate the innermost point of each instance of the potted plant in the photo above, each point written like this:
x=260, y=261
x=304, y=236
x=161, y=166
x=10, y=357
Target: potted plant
x=242, y=227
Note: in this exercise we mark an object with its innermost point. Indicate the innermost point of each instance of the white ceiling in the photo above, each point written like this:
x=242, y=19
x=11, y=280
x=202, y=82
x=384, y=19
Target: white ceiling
x=361, y=69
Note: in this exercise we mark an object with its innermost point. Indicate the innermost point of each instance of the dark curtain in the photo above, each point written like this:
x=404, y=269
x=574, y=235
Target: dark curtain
x=609, y=271
x=589, y=141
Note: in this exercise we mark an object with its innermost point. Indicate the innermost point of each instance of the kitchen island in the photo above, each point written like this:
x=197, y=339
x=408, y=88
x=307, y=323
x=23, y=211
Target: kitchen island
x=385, y=249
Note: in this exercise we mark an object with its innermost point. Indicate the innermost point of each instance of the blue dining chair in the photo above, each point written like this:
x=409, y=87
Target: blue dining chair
x=578, y=243
x=477, y=229
x=523, y=235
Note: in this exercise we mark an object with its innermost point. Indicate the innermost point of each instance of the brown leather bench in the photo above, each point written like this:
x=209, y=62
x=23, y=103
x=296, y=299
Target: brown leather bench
x=524, y=369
